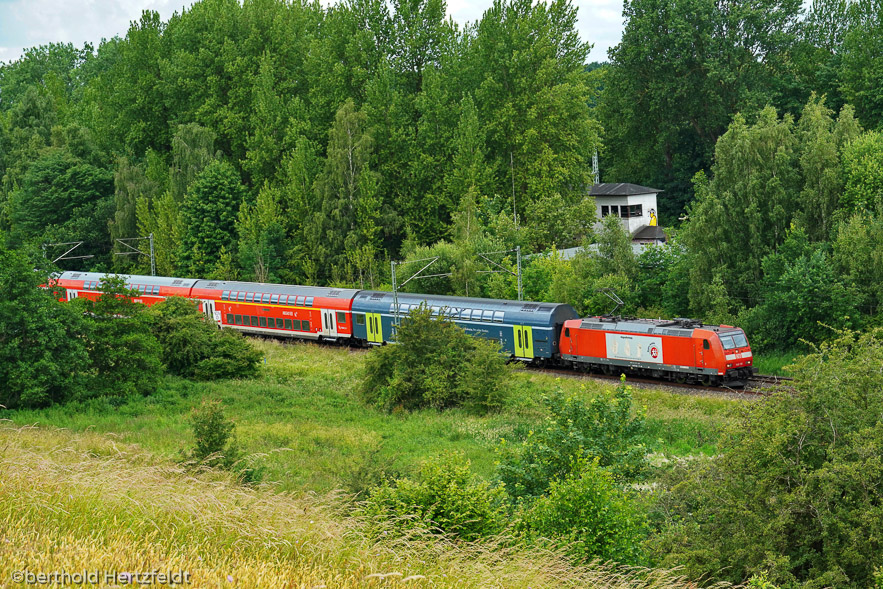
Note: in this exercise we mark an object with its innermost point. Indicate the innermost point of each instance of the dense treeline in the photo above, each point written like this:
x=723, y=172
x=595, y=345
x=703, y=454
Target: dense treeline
x=286, y=141
x=277, y=141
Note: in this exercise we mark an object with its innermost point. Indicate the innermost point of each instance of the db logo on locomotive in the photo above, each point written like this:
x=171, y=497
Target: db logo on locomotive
x=654, y=351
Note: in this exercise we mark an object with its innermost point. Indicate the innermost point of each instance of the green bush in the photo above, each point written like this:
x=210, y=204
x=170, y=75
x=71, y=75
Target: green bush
x=445, y=496
x=604, y=428
x=587, y=515
x=193, y=346
x=125, y=357
x=434, y=364
x=797, y=490
x=43, y=358
x=215, y=442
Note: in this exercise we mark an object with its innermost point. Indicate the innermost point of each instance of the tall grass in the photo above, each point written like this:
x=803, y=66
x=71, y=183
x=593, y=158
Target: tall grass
x=85, y=501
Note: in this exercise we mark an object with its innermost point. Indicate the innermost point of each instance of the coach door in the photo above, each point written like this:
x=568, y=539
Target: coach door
x=329, y=327
x=375, y=328
x=208, y=307
x=523, y=342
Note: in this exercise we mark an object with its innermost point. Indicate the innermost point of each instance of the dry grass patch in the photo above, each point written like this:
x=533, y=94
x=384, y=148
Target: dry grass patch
x=86, y=502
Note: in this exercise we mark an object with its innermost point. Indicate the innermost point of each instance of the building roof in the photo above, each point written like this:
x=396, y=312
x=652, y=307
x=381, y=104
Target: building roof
x=620, y=189
x=649, y=232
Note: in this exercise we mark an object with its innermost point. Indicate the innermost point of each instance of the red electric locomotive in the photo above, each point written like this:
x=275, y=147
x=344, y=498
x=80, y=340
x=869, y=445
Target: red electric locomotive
x=682, y=350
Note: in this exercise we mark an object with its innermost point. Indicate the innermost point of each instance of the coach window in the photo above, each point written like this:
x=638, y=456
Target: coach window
x=306, y=325
x=229, y=318
x=263, y=321
x=254, y=321
x=225, y=296
x=278, y=323
x=295, y=324
x=249, y=298
x=309, y=302
x=341, y=318
x=360, y=320
x=240, y=297
x=706, y=345
x=274, y=299
x=238, y=319
x=288, y=324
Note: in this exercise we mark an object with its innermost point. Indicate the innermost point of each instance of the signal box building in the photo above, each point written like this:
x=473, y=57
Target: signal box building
x=634, y=205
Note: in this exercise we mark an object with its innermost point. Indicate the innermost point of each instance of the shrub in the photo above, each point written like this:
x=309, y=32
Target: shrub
x=445, y=496
x=193, y=346
x=125, y=357
x=798, y=488
x=42, y=359
x=587, y=515
x=215, y=442
x=434, y=364
x=604, y=429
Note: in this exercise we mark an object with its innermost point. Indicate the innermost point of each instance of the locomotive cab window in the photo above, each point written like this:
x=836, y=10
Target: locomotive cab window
x=706, y=345
x=727, y=342
x=566, y=332
x=740, y=341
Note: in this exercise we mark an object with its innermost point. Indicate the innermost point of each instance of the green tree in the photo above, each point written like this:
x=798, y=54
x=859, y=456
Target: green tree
x=863, y=173
x=42, y=352
x=63, y=191
x=795, y=489
x=860, y=77
x=681, y=71
x=347, y=189
x=821, y=141
x=262, y=237
x=208, y=216
x=858, y=259
x=743, y=212
x=802, y=296
x=124, y=356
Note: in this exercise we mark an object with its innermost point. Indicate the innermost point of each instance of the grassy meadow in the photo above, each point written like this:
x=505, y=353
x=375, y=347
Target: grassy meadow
x=89, y=502
x=302, y=420
x=99, y=484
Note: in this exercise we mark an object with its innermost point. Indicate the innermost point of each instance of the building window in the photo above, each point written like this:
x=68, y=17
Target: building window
x=605, y=210
x=636, y=210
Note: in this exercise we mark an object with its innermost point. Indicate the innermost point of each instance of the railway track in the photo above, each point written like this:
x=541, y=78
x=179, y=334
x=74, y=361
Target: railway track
x=758, y=385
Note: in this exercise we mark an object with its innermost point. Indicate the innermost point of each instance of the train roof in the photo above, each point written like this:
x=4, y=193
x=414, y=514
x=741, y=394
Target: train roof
x=130, y=279
x=262, y=287
x=676, y=327
x=515, y=311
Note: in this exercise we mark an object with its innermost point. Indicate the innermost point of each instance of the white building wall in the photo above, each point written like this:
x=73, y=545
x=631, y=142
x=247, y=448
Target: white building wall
x=631, y=224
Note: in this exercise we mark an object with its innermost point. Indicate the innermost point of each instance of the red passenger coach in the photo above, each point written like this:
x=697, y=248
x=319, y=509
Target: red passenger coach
x=153, y=289
x=279, y=310
x=683, y=350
